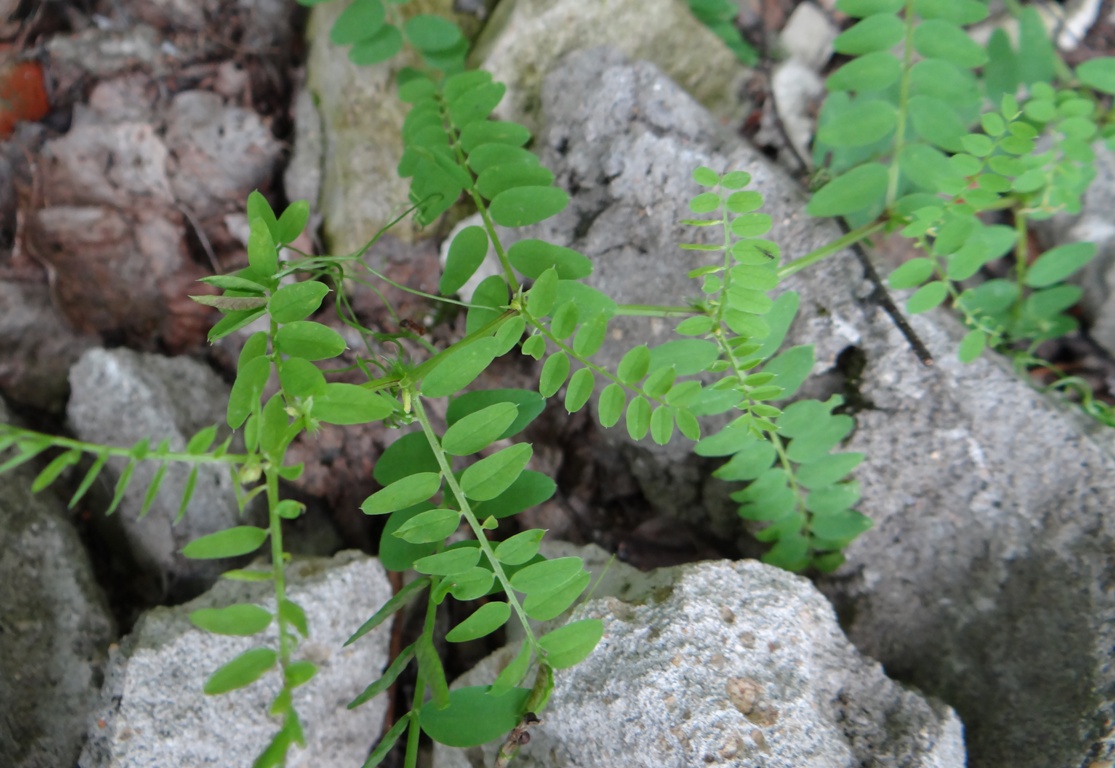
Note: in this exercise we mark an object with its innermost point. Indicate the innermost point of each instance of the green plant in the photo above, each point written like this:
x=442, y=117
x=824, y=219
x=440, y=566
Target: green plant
x=896, y=133
x=902, y=157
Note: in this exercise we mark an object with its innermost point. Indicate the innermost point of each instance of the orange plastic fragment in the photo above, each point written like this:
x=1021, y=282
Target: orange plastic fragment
x=22, y=95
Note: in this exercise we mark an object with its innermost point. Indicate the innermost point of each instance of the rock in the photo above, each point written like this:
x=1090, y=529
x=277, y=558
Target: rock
x=731, y=663
x=985, y=580
x=113, y=234
x=796, y=94
x=55, y=628
x=37, y=347
x=120, y=397
x=153, y=711
x=220, y=153
x=360, y=139
x=524, y=39
x=808, y=36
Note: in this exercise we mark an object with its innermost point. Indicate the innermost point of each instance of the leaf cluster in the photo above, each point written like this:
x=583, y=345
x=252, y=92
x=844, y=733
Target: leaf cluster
x=944, y=138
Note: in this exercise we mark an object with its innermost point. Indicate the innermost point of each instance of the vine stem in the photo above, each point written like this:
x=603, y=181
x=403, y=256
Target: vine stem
x=470, y=516
x=278, y=573
x=25, y=435
x=851, y=238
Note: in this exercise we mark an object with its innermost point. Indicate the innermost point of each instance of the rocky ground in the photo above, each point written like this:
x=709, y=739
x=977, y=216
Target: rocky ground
x=985, y=586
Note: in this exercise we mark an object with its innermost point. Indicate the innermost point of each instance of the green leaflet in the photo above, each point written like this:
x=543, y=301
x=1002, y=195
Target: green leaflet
x=231, y=542
x=571, y=644
x=242, y=671
x=466, y=254
x=491, y=476
x=402, y=493
x=522, y=206
x=487, y=619
x=480, y=429
x=473, y=717
x=862, y=188
x=233, y=620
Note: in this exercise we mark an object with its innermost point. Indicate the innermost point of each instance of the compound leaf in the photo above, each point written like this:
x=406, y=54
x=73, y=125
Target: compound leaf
x=242, y=671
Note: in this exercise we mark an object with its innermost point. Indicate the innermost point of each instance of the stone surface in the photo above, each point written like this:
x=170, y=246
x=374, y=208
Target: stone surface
x=120, y=397
x=724, y=663
x=808, y=35
x=153, y=712
x=358, y=138
x=524, y=39
x=55, y=628
x=219, y=153
x=37, y=346
x=987, y=579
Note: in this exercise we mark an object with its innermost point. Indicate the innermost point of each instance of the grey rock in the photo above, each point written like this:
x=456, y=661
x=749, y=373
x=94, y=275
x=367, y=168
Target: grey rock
x=120, y=397
x=986, y=580
x=153, y=712
x=220, y=153
x=524, y=39
x=358, y=135
x=725, y=663
x=37, y=347
x=55, y=628
x=808, y=36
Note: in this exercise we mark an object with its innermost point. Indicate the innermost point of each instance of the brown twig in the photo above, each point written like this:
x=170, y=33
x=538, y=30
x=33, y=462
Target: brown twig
x=519, y=737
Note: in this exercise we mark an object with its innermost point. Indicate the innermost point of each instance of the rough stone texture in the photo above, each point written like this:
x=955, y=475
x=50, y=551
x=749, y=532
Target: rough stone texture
x=988, y=578
x=55, y=628
x=359, y=138
x=126, y=183
x=730, y=664
x=525, y=38
x=1094, y=225
x=37, y=347
x=219, y=152
x=120, y=397
x=808, y=36
x=153, y=712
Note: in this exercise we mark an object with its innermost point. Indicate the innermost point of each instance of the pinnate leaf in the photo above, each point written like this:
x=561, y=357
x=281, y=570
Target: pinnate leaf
x=457, y=369
x=874, y=33
x=242, y=671
x=448, y=563
x=480, y=429
x=244, y=619
x=466, y=254
x=571, y=644
x=309, y=340
x=520, y=548
x=860, y=188
x=579, y=390
x=491, y=476
x=487, y=619
x=528, y=406
x=1098, y=73
x=927, y=297
x=473, y=717
x=231, y=542
x=1058, y=263
x=523, y=206
x=431, y=525
x=402, y=493
x=343, y=403
x=610, y=406
x=554, y=372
